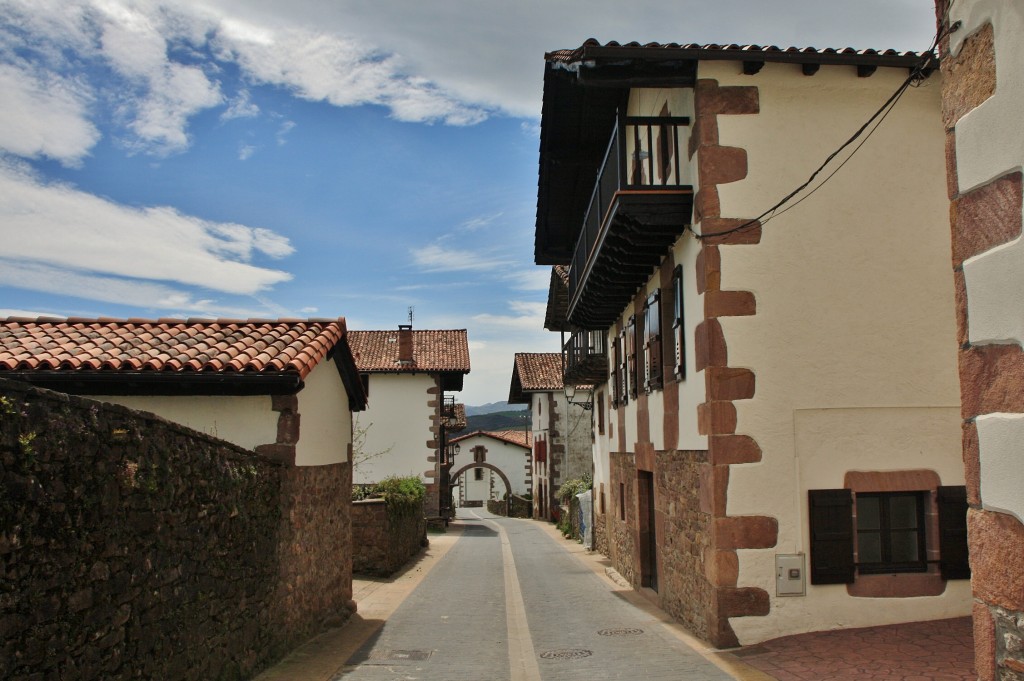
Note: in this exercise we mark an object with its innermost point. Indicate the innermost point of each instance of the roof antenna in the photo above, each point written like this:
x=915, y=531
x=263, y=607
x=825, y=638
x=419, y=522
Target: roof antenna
x=411, y=309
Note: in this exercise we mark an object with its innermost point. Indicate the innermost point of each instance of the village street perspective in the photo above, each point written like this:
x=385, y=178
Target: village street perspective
x=777, y=433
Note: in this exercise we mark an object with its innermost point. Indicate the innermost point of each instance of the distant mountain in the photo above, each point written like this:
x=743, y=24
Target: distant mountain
x=492, y=408
x=499, y=420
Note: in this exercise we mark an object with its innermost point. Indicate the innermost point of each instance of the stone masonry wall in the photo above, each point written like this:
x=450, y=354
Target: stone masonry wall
x=623, y=550
x=684, y=539
x=131, y=547
x=383, y=541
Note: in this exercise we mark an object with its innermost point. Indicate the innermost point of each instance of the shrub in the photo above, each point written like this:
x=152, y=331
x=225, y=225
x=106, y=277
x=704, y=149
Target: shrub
x=570, y=488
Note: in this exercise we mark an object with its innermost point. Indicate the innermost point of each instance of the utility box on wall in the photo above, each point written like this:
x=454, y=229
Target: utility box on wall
x=790, y=574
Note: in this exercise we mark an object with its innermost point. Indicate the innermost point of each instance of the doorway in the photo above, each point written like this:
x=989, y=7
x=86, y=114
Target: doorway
x=648, y=531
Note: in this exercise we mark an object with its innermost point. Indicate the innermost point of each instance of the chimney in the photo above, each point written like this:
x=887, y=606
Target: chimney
x=405, y=353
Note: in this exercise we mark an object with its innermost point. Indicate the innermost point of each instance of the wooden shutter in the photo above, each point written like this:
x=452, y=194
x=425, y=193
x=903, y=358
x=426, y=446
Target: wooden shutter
x=631, y=355
x=953, y=563
x=831, y=525
x=677, y=323
x=623, y=369
x=652, y=342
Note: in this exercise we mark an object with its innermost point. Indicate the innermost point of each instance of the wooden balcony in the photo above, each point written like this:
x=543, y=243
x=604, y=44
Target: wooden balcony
x=586, y=358
x=639, y=207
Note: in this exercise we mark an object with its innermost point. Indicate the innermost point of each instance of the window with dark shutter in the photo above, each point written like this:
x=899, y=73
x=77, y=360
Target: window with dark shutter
x=952, y=502
x=652, y=342
x=891, y=532
x=678, y=334
x=831, y=528
x=623, y=369
x=631, y=356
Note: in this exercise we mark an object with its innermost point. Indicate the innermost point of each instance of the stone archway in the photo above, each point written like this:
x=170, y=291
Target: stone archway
x=501, y=474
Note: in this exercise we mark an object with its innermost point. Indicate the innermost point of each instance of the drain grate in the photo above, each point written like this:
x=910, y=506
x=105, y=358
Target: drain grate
x=566, y=654
x=400, y=654
x=625, y=631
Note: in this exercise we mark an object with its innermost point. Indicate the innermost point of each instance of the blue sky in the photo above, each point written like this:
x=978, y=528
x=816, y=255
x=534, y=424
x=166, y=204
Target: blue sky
x=256, y=158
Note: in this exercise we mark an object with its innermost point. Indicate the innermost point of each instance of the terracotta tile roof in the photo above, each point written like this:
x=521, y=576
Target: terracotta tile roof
x=539, y=371
x=433, y=351
x=175, y=346
x=516, y=437
x=827, y=55
x=557, y=311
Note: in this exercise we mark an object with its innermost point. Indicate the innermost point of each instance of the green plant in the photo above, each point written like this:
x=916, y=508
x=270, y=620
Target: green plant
x=570, y=488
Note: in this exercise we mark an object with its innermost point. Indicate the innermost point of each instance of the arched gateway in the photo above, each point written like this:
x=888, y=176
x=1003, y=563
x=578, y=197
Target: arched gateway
x=501, y=474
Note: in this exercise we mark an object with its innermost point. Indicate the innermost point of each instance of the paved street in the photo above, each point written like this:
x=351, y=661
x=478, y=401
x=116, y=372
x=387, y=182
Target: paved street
x=508, y=602
x=508, y=599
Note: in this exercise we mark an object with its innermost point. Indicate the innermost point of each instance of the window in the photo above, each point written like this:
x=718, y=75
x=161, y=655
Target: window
x=479, y=454
x=886, y=535
x=631, y=357
x=622, y=501
x=678, y=333
x=478, y=473
x=622, y=388
x=540, y=451
x=652, y=342
x=600, y=413
x=890, y=533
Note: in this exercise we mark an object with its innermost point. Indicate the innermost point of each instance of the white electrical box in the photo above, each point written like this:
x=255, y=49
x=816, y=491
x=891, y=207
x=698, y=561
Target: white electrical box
x=790, y=574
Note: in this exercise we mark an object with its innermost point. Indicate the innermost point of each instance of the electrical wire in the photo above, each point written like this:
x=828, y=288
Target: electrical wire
x=917, y=75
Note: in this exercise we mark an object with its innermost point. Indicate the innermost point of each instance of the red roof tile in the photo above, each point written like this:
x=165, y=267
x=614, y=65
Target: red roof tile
x=539, y=371
x=167, y=345
x=433, y=351
x=516, y=437
x=847, y=55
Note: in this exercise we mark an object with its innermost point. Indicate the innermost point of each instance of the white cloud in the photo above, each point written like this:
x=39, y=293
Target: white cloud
x=436, y=258
x=245, y=152
x=44, y=115
x=62, y=227
x=527, y=314
x=240, y=107
x=533, y=279
x=282, y=132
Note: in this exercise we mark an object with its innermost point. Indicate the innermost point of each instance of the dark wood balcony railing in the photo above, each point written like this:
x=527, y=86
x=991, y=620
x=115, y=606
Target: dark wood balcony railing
x=638, y=208
x=586, y=358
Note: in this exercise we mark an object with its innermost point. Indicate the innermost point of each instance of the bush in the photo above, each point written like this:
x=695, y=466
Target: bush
x=394, y=490
x=570, y=488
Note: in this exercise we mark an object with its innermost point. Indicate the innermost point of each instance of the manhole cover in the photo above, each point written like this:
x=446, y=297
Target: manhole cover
x=400, y=654
x=566, y=654
x=625, y=631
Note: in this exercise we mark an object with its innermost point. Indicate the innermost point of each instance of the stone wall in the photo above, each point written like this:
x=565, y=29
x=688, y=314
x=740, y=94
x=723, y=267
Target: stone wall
x=131, y=547
x=601, y=533
x=384, y=539
x=684, y=539
x=521, y=507
x=623, y=542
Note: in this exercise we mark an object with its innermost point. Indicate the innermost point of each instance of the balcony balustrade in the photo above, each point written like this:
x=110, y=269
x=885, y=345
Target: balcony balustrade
x=586, y=358
x=638, y=208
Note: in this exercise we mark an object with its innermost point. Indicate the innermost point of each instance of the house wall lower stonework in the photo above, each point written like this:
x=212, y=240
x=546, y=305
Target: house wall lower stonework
x=384, y=540
x=982, y=99
x=132, y=546
x=622, y=521
x=689, y=567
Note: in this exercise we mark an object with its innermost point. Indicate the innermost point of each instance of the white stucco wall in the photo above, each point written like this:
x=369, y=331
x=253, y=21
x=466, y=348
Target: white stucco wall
x=853, y=344
x=325, y=428
x=989, y=144
x=509, y=457
x=247, y=421
x=397, y=422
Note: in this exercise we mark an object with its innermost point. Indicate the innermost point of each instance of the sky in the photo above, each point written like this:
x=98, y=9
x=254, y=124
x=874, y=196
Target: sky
x=319, y=158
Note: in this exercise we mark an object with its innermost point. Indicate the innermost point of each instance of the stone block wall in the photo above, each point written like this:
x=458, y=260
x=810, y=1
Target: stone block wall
x=384, y=539
x=131, y=547
x=520, y=507
x=623, y=541
x=684, y=539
